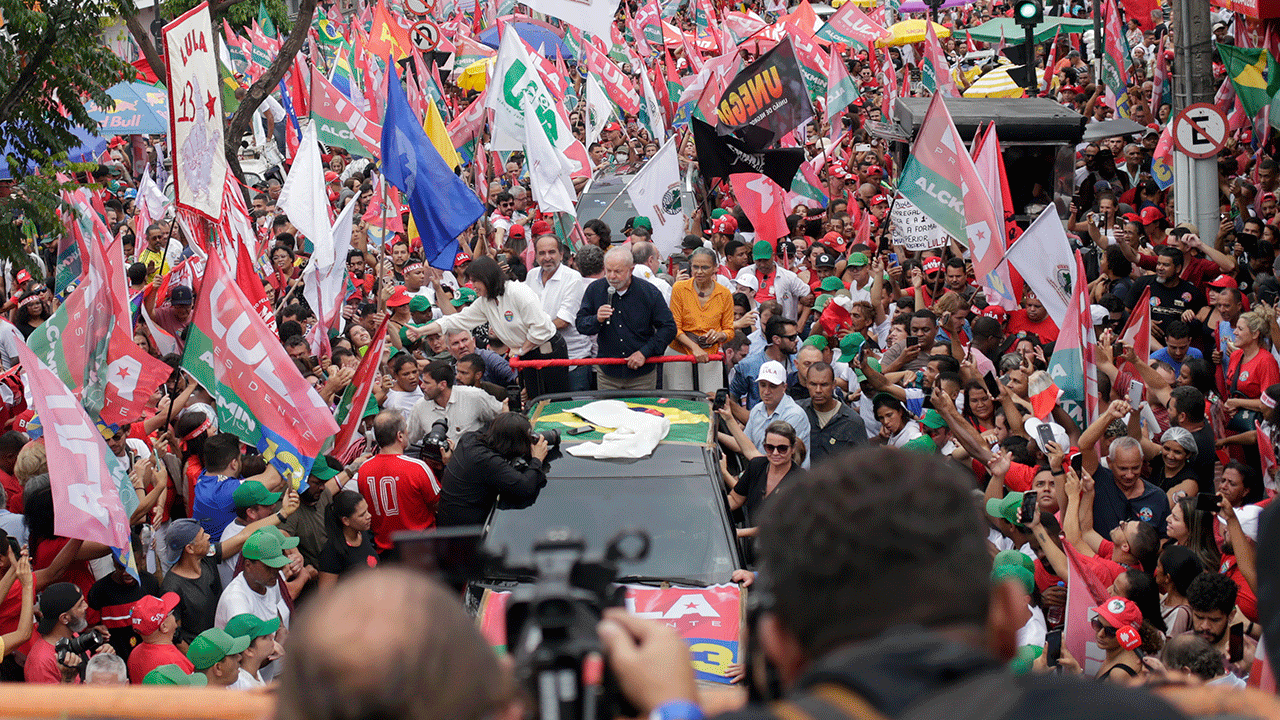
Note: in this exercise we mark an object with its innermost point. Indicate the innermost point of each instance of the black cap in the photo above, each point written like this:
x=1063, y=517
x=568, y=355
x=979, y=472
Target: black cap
x=181, y=295
x=55, y=600
x=825, y=261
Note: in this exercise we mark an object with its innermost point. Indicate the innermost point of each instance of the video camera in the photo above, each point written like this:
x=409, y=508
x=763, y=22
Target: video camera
x=551, y=621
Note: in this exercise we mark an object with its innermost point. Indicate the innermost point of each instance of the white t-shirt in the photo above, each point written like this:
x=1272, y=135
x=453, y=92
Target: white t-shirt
x=402, y=401
x=227, y=568
x=238, y=599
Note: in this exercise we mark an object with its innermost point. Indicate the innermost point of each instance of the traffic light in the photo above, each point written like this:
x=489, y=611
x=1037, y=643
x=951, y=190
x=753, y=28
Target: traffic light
x=1028, y=13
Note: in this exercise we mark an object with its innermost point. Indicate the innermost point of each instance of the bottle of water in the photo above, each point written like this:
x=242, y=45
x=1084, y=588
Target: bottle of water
x=1054, y=614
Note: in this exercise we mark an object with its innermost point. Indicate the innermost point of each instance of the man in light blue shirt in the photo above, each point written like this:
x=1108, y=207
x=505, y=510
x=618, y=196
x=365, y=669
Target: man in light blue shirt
x=775, y=405
x=1177, y=346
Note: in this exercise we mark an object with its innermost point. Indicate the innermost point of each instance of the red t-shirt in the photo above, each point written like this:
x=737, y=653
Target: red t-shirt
x=1044, y=578
x=1245, y=599
x=402, y=494
x=77, y=570
x=1256, y=375
x=1019, y=477
x=1104, y=569
x=13, y=491
x=42, y=663
x=149, y=656
x=1044, y=329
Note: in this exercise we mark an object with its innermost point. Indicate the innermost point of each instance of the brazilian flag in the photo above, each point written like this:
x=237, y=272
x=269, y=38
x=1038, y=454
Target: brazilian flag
x=1254, y=75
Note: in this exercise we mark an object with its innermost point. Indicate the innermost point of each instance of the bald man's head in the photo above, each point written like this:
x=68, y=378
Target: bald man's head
x=390, y=644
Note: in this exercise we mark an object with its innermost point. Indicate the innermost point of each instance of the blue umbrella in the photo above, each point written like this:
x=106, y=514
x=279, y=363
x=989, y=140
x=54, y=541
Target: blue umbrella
x=88, y=148
x=139, y=109
x=539, y=37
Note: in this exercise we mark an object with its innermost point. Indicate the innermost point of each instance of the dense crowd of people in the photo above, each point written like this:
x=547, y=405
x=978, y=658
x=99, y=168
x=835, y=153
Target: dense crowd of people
x=812, y=348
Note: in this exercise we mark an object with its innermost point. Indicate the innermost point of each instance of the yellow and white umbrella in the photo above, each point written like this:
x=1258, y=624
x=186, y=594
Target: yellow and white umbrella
x=911, y=31
x=996, y=83
x=475, y=76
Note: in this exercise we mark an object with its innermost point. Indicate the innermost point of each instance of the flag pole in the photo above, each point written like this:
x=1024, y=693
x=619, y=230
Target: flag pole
x=382, y=242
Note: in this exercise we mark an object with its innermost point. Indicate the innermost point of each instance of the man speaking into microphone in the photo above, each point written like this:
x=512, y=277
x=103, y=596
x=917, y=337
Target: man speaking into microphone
x=632, y=321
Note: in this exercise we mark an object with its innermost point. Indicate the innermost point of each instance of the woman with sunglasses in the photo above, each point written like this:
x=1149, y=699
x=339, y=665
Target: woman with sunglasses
x=783, y=450
x=1116, y=632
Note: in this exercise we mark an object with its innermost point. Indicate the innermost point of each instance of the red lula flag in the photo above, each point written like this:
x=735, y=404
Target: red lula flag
x=888, y=85
x=764, y=203
x=1137, y=334
x=1084, y=592
x=1053, y=60
x=1071, y=366
x=373, y=214
x=616, y=85
x=938, y=61
x=86, y=498
x=351, y=408
x=249, y=282
x=288, y=412
x=851, y=25
x=989, y=162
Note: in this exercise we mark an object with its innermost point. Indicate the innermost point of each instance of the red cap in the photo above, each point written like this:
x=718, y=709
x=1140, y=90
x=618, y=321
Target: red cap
x=1132, y=217
x=1151, y=214
x=461, y=258
x=875, y=169
x=724, y=225
x=399, y=297
x=23, y=277
x=541, y=227
x=1120, y=612
x=932, y=265
x=330, y=176
x=1224, y=281
x=516, y=231
x=20, y=420
x=149, y=611
x=880, y=199
x=994, y=311
x=1265, y=196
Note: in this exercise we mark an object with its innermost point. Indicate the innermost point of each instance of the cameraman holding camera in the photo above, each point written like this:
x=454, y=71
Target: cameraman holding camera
x=506, y=459
x=59, y=650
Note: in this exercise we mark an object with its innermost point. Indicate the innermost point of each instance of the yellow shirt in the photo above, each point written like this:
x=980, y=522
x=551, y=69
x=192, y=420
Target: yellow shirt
x=695, y=318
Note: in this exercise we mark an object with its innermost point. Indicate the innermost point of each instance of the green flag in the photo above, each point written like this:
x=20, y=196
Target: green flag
x=1253, y=75
x=264, y=20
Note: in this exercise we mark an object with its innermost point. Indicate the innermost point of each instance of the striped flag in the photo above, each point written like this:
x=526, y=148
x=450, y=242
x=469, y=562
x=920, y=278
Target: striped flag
x=351, y=407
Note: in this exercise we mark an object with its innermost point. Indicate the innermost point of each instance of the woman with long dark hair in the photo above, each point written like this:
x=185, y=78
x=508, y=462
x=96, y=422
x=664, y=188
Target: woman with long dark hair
x=1193, y=529
x=349, y=545
x=505, y=458
x=515, y=316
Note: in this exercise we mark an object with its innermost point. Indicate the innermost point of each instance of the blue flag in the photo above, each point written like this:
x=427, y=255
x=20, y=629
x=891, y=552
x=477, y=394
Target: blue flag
x=441, y=203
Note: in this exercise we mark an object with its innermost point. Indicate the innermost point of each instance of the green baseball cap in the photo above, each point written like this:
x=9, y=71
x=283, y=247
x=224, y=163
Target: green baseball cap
x=933, y=420
x=174, y=675
x=212, y=645
x=252, y=492
x=818, y=341
x=850, y=345
x=858, y=259
x=762, y=250
x=286, y=542
x=266, y=548
x=322, y=469
x=1013, y=557
x=1005, y=507
x=1000, y=573
x=923, y=444
x=831, y=284
x=464, y=296
x=251, y=626
x=419, y=303
x=1024, y=659
x=719, y=213
x=642, y=221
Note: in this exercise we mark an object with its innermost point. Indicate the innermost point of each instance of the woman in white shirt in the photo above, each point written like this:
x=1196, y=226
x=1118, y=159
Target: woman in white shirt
x=515, y=316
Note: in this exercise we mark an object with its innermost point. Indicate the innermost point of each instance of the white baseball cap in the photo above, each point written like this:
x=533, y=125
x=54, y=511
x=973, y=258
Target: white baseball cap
x=773, y=373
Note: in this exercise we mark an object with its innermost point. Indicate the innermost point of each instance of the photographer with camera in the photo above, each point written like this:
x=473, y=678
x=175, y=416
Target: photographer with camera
x=506, y=459
x=462, y=408
x=59, y=650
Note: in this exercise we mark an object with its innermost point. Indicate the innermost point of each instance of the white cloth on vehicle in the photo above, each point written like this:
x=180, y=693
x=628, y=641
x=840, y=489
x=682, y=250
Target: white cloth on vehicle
x=635, y=436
